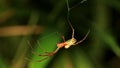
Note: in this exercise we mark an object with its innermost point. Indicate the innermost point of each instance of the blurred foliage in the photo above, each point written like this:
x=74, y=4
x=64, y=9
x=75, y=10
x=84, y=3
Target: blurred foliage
x=41, y=23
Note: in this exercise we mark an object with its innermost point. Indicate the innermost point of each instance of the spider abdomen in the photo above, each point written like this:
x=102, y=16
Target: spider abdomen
x=70, y=42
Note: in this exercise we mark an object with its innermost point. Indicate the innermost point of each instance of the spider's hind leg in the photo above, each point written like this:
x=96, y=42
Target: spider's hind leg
x=83, y=38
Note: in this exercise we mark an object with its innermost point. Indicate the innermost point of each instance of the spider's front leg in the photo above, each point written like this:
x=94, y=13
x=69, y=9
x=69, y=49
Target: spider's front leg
x=50, y=53
x=47, y=54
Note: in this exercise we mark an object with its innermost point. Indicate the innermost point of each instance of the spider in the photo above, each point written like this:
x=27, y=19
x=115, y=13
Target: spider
x=66, y=44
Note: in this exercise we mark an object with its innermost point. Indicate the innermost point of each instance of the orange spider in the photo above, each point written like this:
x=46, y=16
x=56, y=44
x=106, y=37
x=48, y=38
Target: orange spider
x=65, y=44
x=68, y=43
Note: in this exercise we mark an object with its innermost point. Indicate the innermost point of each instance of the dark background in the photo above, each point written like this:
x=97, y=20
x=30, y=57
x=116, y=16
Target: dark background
x=41, y=23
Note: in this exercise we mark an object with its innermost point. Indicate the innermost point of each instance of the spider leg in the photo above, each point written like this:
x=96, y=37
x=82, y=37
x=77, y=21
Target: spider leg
x=69, y=20
x=50, y=53
x=47, y=54
x=83, y=38
x=71, y=28
x=63, y=38
x=32, y=49
x=30, y=45
x=41, y=47
x=38, y=45
x=35, y=53
x=43, y=59
x=37, y=60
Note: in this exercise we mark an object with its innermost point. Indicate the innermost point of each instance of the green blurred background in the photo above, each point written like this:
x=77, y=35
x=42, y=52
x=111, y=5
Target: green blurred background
x=41, y=23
